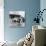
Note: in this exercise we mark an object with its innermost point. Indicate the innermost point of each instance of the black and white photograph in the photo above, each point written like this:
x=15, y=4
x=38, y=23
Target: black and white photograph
x=17, y=18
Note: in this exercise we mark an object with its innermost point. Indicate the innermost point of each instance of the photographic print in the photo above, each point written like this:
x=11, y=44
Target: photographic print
x=17, y=18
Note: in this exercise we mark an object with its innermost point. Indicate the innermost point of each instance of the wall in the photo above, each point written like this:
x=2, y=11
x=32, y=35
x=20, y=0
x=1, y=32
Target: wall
x=30, y=7
x=43, y=6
